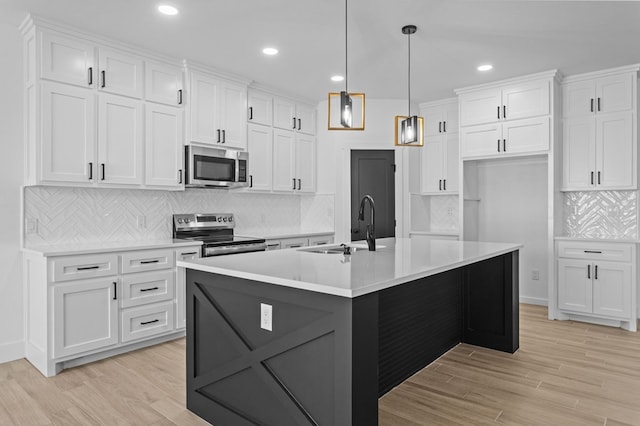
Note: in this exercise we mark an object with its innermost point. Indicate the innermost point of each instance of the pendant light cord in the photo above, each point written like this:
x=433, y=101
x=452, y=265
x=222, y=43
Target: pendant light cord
x=346, y=56
x=409, y=77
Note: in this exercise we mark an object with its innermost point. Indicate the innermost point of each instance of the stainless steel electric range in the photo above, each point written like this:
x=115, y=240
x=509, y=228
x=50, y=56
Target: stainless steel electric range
x=215, y=230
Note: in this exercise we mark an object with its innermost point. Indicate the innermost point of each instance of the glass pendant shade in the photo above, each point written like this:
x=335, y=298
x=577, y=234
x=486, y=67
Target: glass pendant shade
x=409, y=130
x=346, y=112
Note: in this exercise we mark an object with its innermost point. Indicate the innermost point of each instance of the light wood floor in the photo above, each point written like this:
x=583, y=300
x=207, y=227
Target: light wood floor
x=565, y=373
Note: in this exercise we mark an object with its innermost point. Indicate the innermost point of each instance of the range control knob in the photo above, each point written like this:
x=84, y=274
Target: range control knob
x=179, y=220
x=187, y=220
x=230, y=218
x=219, y=219
x=224, y=219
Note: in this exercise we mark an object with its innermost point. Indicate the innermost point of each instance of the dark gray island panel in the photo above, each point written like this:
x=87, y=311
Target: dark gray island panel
x=329, y=358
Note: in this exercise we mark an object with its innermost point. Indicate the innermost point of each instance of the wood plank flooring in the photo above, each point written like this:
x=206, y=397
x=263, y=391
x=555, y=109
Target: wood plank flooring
x=565, y=373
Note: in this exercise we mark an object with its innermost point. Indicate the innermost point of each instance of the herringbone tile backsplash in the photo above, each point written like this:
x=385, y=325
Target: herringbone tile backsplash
x=601, y=214
x=67, y=215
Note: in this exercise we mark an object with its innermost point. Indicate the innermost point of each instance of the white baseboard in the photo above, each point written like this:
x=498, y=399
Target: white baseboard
x=533, y=301
x=11, y=351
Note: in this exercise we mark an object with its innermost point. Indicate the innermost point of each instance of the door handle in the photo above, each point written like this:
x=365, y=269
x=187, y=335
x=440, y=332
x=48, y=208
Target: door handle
x=596, y=273
x=439, y=126
x=599, y=178
x=440, y=185
x=498, y=112
x=250, y=181
x=299, y=184
x=104, y=78
x=591, y=178
x=102, y=169
x=444, y=127
x=589, y=271
x=299, y=124
x=498, y=145
x=504, y=145
x=294, y=123
x=180, y=176
x=250, y=113
x=294, y=183
x=90, y=76
x=598, y=104
x=224, y=136
x=115, y=290
x=90, y=171
x=180, y=97
x=444, y=184
x=591, y=104
x=218, y=131
x=504, y=111
x=149, y=289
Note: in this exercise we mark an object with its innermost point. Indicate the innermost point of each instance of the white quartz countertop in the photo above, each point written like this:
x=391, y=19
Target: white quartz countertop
x=400, y=260
x=109, y=246
x=283, y=233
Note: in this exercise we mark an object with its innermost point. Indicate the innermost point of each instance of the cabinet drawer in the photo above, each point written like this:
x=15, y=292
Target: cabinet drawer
x=148, y=260
x=596, y=251
x=147, y=321
x=147, y=287
x=80, y=267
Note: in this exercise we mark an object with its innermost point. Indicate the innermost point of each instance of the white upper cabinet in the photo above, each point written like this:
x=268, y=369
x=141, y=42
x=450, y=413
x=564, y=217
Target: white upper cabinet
x=217, y=111
x=599, y=131
x=68, y=134
x=294, y=160
x=163, y=84
x=440, y=118
x=260, y=148
x=68, y=60
x=512, y=102
x=293, y=116
x=120, y=73
x=260, y=108
x=439, y=157
x=120, y=141
x=85, y=115
x=163, y=146
x=509, y=119
x=600, y=95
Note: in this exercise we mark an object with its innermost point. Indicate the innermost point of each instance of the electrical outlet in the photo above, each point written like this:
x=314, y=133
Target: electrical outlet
x=31, y=226
x=535, y=274
x=449, y=211
x=142, y=221
x=266, y=312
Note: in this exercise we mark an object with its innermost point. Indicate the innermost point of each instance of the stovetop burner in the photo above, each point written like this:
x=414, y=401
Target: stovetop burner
x=215, y=230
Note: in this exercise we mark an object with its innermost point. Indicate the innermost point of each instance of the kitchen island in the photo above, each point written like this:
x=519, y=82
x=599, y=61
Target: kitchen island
x=304, y=337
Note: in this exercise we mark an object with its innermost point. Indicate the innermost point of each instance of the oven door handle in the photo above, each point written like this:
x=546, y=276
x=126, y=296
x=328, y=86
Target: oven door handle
x=244, y=248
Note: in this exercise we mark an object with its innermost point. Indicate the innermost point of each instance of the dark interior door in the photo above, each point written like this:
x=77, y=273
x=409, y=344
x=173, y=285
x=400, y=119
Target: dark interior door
x=373, y=173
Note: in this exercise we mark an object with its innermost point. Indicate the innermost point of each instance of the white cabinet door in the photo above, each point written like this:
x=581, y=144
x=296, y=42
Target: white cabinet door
x=119, y=140
x=233, y=107
x=163, y=84
x=615, y=151
x=68, y=60
x=260, y=147
x=612, y=289
x=615, y=93
x=451, y=163
x=305, y=163
x=68, y=134
x=578, y=153
x=203, y=109
x=163, y=146
x=433, y=116
x=578, y=99
x=575, y=284
x=284, y=113
x=306, y=119
x=120, y=73
x=147, y=321
x=480, y=107
x=186, y=253
x=432, y=165
x=85, y=316
x=525, y=100
x=284, y=161
x=481, y=141
x=527, y=135
x=260, y=108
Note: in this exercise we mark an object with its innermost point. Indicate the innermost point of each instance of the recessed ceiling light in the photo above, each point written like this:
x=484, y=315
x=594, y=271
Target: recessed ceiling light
x=167, y=9
x=486, y=67
x=270, y=51
x=337, y=78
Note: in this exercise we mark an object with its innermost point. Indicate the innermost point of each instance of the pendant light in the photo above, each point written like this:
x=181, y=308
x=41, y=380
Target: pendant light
x=346, y=99
x=411, y=126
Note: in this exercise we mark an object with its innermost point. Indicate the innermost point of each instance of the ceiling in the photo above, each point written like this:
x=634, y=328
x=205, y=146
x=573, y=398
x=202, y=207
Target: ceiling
x=454, y=36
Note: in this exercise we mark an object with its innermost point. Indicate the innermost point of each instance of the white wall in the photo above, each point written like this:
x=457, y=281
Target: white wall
x=11, y=173
x=513, y=208
x=334, y=150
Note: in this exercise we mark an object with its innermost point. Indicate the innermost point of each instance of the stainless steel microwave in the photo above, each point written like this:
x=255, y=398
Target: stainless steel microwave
x=216, y=167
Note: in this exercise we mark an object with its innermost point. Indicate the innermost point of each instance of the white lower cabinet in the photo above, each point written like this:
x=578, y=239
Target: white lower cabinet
x=85, y=316
x=297, y=242
x=598, y=280
x=90, y=306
